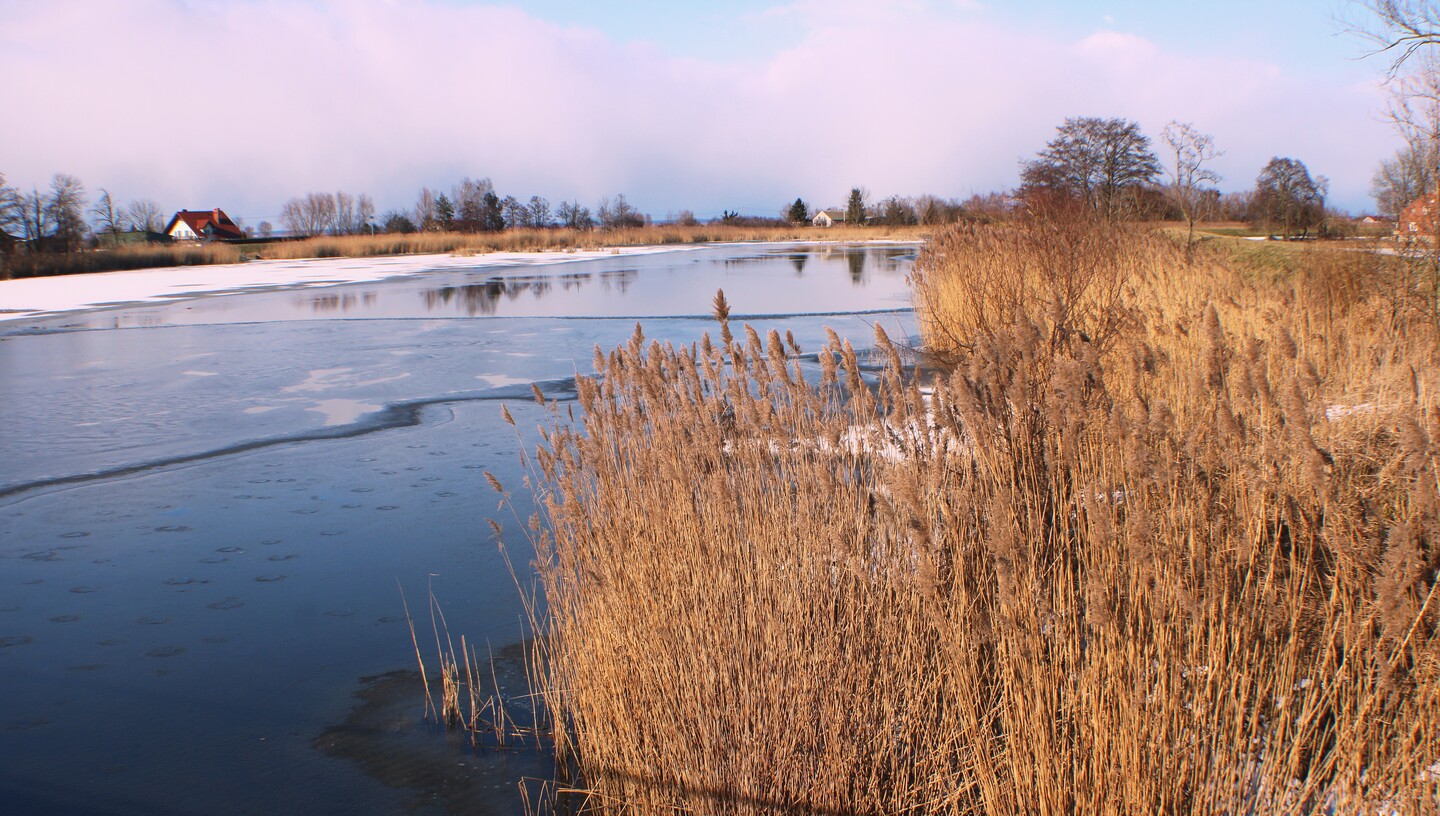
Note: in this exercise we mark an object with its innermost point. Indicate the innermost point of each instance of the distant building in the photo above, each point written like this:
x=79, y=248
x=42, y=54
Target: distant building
x=1420, y=221
x=211, y=225
x=829, y=218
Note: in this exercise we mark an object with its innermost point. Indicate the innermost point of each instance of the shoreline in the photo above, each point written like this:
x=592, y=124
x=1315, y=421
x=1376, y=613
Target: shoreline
x=24, y=299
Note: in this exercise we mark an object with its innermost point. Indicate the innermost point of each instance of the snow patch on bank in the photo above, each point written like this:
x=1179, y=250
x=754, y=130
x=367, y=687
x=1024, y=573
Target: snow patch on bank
x=29, y=298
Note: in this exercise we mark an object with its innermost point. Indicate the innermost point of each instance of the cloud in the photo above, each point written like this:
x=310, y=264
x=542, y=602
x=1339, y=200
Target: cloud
x=244, y=103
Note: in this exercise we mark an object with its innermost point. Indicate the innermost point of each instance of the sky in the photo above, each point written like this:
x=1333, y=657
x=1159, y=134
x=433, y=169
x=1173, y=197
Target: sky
x=746, y=105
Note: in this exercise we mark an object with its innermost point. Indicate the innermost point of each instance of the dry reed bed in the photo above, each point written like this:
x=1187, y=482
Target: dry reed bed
x=1127, y=566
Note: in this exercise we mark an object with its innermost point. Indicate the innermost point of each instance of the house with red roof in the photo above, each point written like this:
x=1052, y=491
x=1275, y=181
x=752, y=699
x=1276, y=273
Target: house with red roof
x=211, y=225
x=1420, y=221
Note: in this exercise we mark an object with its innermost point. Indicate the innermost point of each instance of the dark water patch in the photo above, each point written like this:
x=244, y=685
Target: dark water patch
x=386, y=735
x=269, y=579
x=228, y=602
x=75, y=534
x=148, y=620
x=15, y=640
x=25, y=723
x=285, y=557
x=84, y=590
x=87, y=667
x=167, y=651
x=180, y=582
x=65, y=619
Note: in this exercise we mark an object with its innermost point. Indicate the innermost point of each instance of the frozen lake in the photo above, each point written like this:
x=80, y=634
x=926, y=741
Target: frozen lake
x=209, y=507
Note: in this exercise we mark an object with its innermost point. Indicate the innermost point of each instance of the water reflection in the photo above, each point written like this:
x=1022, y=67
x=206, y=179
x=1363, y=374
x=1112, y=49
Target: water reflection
x=478, y=299
x=618, y=280
x=758, y=279
x=857, y=267
x=331, y=303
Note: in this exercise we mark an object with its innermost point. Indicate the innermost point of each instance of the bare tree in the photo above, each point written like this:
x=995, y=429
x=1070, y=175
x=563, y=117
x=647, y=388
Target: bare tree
x=425, y=217
x=266, y=229
x=619, y=214
x=540, y=217
x=66, y=212
x=1097, y=162
x=108, y=219
x=344, y=221
x=9, y=208
x=144, y=216
x=34, y=218
x=573, y=216
x=516, y=215
x=1191, y=149
x=364, y=213
x=469, y=199
x=1399, y=29
x=312, y=214
x=1402, y=179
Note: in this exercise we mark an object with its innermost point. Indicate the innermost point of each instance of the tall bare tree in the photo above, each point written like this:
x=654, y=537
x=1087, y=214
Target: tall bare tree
x=66, y=212
x=344, y=221
x=1192, y=150
x=424, y=216
x=144, y=215
x=34, y=219
x=9, y=208
x=312, y=214
x=109, y=221
x=539, y=213
x=364, y=213
x=1097, y=162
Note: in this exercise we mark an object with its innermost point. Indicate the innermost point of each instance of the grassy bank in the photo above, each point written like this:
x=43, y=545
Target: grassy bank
x=1162, y=538
x=364, y=246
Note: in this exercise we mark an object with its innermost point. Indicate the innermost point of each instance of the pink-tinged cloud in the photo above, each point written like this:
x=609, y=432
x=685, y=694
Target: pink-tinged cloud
x=245, y=103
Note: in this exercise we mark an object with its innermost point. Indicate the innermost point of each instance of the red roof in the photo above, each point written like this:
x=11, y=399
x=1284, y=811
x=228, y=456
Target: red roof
x=216, y=221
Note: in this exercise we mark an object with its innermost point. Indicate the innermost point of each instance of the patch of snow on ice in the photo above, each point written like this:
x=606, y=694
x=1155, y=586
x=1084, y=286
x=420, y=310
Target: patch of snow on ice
x=500, y=380
x=342, y=411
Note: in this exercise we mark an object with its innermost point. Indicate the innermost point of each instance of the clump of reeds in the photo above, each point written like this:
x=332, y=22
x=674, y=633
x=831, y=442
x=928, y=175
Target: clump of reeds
x=471, y=699
x=1125, y=557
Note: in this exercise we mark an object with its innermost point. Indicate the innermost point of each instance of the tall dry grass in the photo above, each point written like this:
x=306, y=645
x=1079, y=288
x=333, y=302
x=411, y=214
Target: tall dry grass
x=1162, y=539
